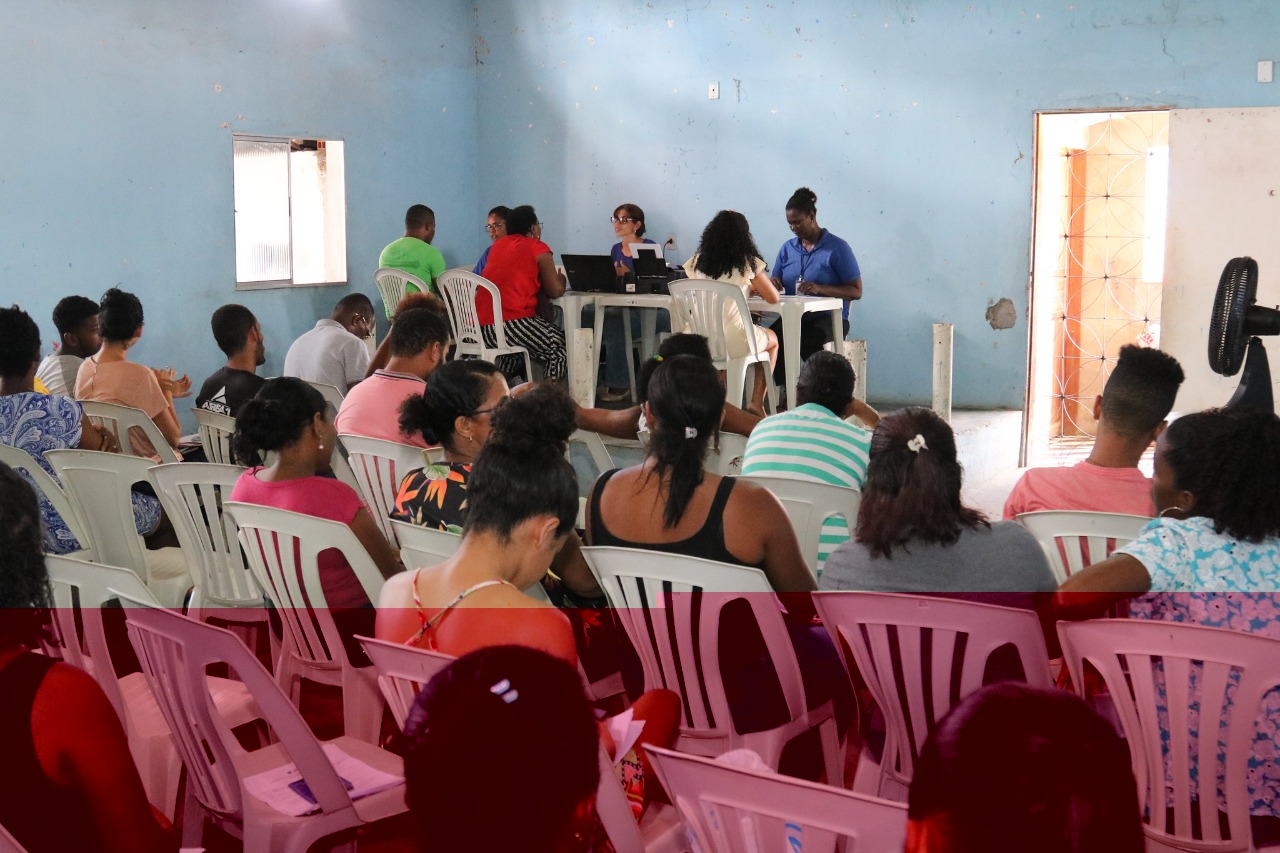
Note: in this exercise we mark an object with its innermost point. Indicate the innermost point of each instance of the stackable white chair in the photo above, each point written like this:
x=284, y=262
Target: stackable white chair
x=703, y=306
x=1072, y=539
x=9, y=844
x=728, y=809
x=392, y=286
x=594, y=445
x=120, y=421
x=670, y=606
x=282, y=549
x=174, y=652
x=810, y=505
x=459, y=287
x=194, y=496
x=99, y=486
x=726, y=457
x=215, y=435
x=25, y=463
x=1173, y=685
x=80, y=591
x=423, y=546
x=905, y=647
x=379, y=466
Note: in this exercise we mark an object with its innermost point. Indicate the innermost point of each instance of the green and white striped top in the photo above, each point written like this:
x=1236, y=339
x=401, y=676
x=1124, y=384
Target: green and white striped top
x=810, y=443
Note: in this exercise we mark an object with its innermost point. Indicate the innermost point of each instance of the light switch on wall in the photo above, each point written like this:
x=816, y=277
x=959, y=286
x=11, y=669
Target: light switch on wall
x=1265, y=70
x=713, y=91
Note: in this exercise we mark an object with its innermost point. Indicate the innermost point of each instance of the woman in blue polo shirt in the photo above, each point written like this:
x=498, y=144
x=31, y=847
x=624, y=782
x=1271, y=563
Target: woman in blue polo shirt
x=815, y=263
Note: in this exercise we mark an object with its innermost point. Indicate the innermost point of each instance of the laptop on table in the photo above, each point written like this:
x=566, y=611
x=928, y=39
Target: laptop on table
x=591, y=273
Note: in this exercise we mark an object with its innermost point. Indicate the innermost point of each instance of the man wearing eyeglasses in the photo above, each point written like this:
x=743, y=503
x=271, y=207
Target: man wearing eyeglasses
x=334, y=352
x=413, y=253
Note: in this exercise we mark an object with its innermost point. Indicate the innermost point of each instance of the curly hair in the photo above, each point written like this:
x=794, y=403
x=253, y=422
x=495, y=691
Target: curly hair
x=19, y=342
x=727, y=246
x=804, y=200
x=122, y=315
x=24, y=584
x=1230, y=460
x=520, y=220
x=912, y=493
x=276, y=416
x=1141, y=390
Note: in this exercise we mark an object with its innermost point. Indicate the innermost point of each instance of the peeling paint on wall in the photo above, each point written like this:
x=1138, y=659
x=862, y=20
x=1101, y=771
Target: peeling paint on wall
x=1002, y=314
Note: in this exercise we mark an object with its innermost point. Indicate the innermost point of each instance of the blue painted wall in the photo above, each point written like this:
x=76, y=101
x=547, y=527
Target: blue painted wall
x=116, y=163
x=912, y=121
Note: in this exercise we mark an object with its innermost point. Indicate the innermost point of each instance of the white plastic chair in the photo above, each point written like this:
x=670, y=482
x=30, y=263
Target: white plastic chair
x=728, y=809
x=459, y=287
x=215, y=435
x=905, y=649
x=809, y=504
x=423, y=546
x=704, y=307
x=670, y=606
x=726, y=458
x=9, y=844
x=379, y=466
x=194, y=496
x=20, y=460
x=1072, y=539
x=392, y=286
x=120, y=421
x=592, y=443
x=80, y=591
x=282, y=548
x=174, y=652
x=98, y=485
x=1185, y=675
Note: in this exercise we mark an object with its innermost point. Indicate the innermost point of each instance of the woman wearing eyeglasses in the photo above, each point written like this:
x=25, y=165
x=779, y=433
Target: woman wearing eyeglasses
x=496, y=227
x=628, y=225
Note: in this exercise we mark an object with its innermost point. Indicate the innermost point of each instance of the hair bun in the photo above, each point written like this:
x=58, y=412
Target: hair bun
x=538, y=419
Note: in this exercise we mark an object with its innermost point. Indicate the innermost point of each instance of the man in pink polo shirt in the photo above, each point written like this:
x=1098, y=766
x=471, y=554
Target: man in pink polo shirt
x=1130, y=413
x=418, y=342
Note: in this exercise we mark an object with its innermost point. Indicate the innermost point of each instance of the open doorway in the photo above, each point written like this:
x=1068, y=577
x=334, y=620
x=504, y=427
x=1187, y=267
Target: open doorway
x=1101, y=187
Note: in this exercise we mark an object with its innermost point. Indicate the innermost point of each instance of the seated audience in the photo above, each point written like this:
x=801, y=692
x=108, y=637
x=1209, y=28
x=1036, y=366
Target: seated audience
x=413, y=253
x=76, y=319
x=522, y=500
x=522, y=267
x=1130, y=413
x=409, y=302
x=239, y=336
x=915, y=535
x=728, y=253
x=334, y=352
x=109, y=377
x=38, y=422
x=69, y=781
x=502, y=755
x=1212, y=557
x=465, y=404
x=418, y=343
x=1014, y=767
x=496, y=227
x=291, y=418
x=812, y=441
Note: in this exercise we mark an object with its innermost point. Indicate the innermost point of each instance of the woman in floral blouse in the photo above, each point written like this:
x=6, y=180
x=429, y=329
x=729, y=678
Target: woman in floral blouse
x=1212, y=557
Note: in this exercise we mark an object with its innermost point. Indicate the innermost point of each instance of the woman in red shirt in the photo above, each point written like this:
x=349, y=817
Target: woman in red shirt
x=520, y=264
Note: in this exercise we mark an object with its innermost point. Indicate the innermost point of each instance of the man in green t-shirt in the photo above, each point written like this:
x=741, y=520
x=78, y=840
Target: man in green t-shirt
x=413, y=253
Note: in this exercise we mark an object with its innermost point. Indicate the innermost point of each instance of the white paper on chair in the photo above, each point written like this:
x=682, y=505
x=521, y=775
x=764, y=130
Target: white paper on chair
x=625, y=731
x=279, y=786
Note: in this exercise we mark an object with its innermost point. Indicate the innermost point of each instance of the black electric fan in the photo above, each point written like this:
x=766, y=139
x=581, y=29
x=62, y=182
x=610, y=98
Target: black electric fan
x=1233, y=335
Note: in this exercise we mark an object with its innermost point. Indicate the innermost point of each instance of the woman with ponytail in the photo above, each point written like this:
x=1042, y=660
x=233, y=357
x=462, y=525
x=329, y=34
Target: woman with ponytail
x=915, y=535
x=670, y=503
x=291, y=419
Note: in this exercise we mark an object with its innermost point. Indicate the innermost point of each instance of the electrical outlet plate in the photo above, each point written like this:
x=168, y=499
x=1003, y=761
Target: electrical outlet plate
x=1265, y=70
x=713, y=91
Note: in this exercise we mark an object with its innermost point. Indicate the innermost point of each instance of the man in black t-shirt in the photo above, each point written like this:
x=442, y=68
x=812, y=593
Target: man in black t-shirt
x=239, y=336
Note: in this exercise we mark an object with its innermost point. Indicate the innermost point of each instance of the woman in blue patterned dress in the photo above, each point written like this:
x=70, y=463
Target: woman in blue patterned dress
x=38, y=423
x=1212, y=557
